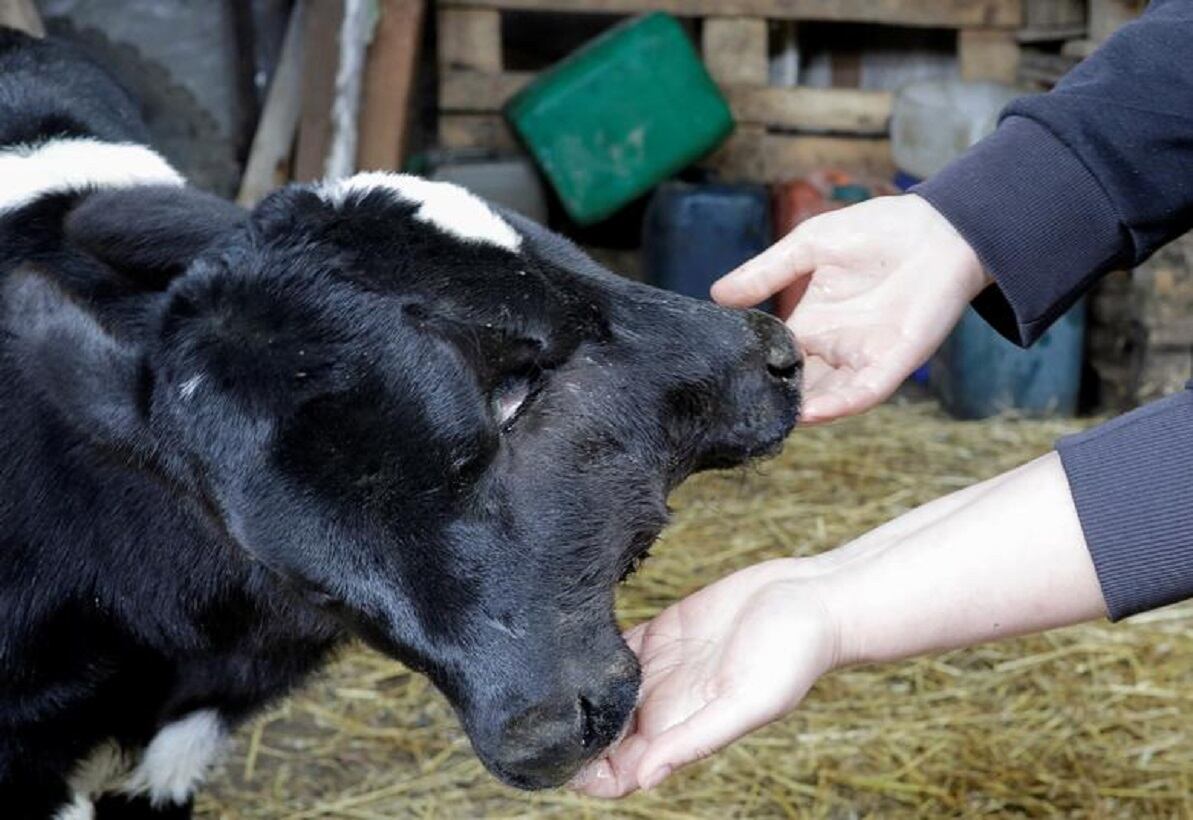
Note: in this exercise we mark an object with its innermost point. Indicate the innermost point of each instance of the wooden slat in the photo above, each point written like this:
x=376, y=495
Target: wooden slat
x=1054, y=14
x=761, y=157
x=1107, y=16
x=388, y=86
x=470, y=38
x=813, y=109
x=1178, y=333
x=735, y=50
x=988, y=54
x=1043, y=68
x=476, y=91
x=799, y=108
x=1049, y=35
x=322, y=47
x=475, y=131
x=274, y=140
x=935, y=13
x=21, y=15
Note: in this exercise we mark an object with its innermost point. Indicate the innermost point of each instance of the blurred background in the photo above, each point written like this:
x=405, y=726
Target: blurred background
x=674, y=139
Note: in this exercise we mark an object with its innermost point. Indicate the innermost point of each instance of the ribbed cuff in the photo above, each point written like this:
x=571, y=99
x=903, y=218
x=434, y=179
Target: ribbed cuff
x=1036, y=217
x=1132, y=481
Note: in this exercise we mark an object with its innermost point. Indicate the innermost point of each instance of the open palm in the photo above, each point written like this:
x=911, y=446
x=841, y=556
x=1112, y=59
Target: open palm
x=715, y=666
x=869, y=291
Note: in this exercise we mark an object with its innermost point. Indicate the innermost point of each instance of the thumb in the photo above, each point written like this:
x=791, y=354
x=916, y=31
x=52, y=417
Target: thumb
x=766, y=274
x=717, y=724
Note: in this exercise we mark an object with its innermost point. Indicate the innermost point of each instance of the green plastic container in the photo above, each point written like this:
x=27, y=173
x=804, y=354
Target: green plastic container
x=620, y=115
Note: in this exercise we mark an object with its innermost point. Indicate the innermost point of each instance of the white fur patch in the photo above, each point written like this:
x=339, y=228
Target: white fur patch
x=80, y=808
x=448, y=207
x=189, y=386
x=104, y=769
x=30, y=171
x=177, y=759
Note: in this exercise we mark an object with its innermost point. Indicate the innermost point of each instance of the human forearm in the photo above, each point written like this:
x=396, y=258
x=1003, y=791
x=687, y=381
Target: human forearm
x=1001, y=558
x=1004, y=558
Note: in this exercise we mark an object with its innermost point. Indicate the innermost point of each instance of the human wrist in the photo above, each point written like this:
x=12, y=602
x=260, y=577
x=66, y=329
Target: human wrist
x=813, y=613
x=958, y=261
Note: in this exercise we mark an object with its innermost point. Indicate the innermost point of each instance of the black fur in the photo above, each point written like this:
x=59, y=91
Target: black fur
x=232, y=441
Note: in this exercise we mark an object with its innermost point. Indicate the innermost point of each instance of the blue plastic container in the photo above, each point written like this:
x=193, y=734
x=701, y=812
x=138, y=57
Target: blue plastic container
x=977, y=373
x=694, y=234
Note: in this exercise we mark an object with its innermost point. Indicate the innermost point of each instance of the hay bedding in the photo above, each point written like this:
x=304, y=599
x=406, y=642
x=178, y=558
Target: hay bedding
x=1086, y=722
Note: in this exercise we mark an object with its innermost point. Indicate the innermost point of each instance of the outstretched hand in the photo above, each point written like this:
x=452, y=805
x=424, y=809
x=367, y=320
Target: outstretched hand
x=741, y=653
x=870, y=292
x=715, y=666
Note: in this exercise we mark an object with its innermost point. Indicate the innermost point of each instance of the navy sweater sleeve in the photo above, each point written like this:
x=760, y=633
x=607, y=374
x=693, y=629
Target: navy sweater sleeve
x=1093, y=176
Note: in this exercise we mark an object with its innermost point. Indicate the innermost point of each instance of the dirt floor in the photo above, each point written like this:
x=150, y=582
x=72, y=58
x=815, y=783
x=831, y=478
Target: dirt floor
x=1092, y=721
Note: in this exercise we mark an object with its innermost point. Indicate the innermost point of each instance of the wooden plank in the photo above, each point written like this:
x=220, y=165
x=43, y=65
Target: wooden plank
x=735, y=50
x=274, y=140
x=1049, y=35
x=477, y=91
x=813, y=109
x=1163, y=372
x=1078, y=48
x=488, y=131
x=988, y=54
x=755, y=156
x=1108, y=16
x=470, y=38
x=799, y=108
x=322, y=47
x=1043, y=68
x=934, y=13
x=1178, y=333
x=21, y=15
x=1054, y=14
x=388, y=86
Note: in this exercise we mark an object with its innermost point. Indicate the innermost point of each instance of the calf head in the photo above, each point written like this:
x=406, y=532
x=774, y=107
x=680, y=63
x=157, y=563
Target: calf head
x=441, y=425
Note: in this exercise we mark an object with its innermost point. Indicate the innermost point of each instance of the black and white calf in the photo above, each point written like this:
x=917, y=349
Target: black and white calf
x=374, y=408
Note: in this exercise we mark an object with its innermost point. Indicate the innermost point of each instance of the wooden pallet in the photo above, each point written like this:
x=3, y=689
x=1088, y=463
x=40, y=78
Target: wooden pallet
x=1141, y=328
x=782, y=131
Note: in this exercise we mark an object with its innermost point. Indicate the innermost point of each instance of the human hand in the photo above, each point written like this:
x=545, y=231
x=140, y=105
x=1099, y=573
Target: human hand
x=717, y=665
x=870, y=291
x=1001, y=558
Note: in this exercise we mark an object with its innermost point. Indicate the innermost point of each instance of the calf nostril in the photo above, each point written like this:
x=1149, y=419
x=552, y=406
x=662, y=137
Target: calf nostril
x=782, y=360
x=782, y=357
x=783, y=372
x=588, y=729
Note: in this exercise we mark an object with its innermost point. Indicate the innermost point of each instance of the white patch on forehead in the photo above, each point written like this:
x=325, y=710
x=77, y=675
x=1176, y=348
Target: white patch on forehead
x=30, y=171
x=448, y=207
x=177, y=759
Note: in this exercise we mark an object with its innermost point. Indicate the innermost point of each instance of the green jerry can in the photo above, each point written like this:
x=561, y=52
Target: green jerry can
x=620, y=115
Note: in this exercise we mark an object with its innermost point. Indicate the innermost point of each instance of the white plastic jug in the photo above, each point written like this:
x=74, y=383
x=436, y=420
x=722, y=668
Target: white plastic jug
x=934, y=121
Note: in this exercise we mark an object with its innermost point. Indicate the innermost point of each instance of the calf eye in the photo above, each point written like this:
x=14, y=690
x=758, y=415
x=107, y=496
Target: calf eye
x=514, y=394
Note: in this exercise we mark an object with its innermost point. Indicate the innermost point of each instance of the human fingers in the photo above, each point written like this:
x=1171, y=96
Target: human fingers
x=766, y=274
x=847, y=392
x=614, y=774
x=716, y=725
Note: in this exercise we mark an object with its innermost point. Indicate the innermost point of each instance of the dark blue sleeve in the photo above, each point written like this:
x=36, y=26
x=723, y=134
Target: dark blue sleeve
x=1132, y=482
x=1092, y=176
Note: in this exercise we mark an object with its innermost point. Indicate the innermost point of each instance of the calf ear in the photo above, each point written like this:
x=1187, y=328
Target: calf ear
x=99, y=385
x=150, y=234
